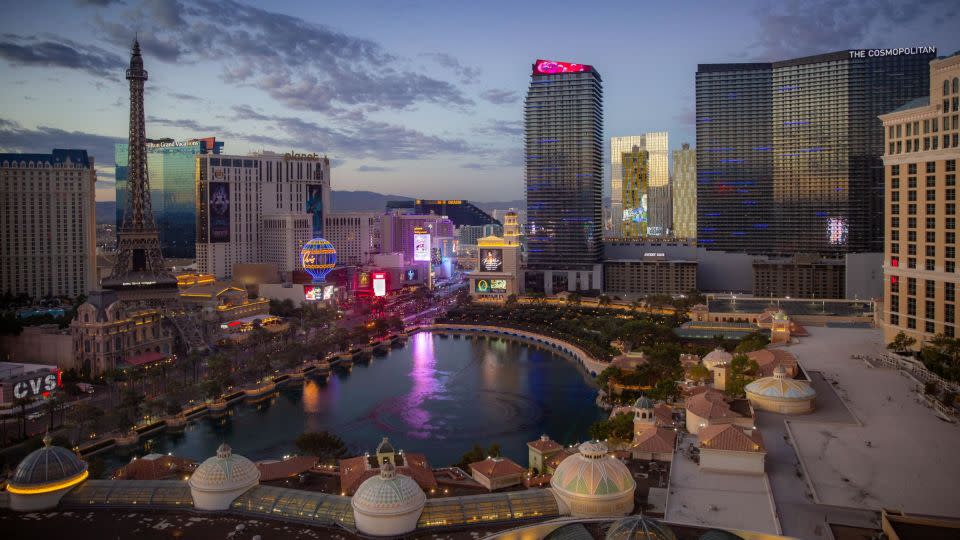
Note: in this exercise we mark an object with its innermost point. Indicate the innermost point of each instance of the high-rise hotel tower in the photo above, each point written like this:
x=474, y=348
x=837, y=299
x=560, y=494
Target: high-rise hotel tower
x=563, y=121
x=920, y=256
x=789, y=153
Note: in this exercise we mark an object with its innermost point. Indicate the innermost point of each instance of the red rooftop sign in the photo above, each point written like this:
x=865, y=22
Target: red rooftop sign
x=548, y=67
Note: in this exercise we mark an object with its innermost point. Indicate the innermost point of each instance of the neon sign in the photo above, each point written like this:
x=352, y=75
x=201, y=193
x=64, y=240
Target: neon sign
x=379, y=284
x=549, y=67
x=421, y=247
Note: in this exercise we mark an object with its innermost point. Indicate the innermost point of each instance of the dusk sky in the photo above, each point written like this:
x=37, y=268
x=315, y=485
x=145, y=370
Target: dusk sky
x=412, y=98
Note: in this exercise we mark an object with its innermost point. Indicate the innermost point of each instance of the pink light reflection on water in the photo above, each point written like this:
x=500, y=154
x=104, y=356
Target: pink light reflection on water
x=425, y=386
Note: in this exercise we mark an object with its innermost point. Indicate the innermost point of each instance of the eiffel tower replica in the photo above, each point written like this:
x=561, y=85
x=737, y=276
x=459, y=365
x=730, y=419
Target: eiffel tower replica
x=140, y=277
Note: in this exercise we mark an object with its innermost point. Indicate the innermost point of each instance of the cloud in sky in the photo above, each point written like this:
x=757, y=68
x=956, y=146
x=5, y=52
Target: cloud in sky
x=501, y=128
x=16, y=138
x=467, y=74
x=188, y=124
x=500, y=97
x=807, y=27
x=373, y=168
x=58, y=52
x=303, y=65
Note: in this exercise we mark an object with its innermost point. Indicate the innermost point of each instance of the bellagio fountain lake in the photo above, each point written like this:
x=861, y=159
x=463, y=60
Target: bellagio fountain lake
x=438, y=395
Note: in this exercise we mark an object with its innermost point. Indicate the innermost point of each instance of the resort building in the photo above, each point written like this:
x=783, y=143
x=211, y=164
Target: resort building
x=496, y=473
x=498, y=263
x=731, y=448
x=781, y=394
x=711, y=408
x=258, y=208
x=563, y=117
x=540, y=450
x=769, y=359
x=48, y=232
x=225, y=301
x=356, y=470
x=356, y=235
x=920, y=254
x=683, y=188
x=106, y=332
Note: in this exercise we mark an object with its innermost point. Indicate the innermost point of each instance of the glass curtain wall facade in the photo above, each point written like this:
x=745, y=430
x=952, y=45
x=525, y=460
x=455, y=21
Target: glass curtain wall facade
x=788, y=153
x=563, y=119
x=636, y=192
x=684, y=190
x=658, y=196
x=619, y=145
x=172, y=170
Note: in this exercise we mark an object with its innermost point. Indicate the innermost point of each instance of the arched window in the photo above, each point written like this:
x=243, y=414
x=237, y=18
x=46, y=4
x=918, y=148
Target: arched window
x=956, y=85
x=946, y=87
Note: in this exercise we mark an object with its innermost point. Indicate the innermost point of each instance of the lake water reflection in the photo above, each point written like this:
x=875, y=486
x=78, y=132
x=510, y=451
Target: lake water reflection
x=436, y=395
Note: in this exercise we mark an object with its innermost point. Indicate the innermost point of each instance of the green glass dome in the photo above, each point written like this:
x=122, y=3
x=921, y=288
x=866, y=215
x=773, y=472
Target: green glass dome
x=640, y=528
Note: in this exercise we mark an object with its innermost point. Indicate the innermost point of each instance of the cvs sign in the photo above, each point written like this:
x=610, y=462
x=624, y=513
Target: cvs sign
x=36, y=386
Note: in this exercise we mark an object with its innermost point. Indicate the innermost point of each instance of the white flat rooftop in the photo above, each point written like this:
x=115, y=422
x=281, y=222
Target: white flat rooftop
x=712, y=499
x=910, y=463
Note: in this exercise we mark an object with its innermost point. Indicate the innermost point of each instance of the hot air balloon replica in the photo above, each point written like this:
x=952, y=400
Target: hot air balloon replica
x=318, y=257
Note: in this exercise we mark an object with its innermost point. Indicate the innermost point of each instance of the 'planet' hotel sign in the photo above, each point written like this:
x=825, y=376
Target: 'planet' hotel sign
x=901, y=51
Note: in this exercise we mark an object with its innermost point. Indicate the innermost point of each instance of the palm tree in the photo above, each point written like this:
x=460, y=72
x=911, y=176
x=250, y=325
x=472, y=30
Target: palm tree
x=53, y=402
x=22, y=415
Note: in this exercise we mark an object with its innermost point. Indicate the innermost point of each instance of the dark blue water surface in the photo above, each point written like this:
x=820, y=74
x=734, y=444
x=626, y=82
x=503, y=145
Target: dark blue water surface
x=436, y=395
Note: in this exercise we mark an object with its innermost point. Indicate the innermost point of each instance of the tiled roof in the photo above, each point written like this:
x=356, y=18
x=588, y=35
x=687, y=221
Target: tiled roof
x=769, y=359
x=57, y=157
x=284, y=469
x=545, y=446
x=710, y=405
x=158, y=468
x=353, y=472
x=730, y=437
x=664, y=414
x=554, y=461
x=497, y=467
x=659, y=440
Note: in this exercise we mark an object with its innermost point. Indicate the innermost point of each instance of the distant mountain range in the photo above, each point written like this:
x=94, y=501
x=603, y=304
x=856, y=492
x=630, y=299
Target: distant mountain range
x=341, y=201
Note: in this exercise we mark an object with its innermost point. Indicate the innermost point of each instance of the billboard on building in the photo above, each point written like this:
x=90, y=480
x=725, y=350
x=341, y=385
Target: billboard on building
x=491, y=286
x=219, y=209
x=379, y=283
x=411, y=274
x=491, y=260
x=363, y=280
x=38, y=384
x=312, y=292
x=421, y=247
x=314, y=207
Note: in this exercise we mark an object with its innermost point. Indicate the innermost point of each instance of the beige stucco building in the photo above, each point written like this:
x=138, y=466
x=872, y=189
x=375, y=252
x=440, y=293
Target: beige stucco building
x=731, y=448
x=106, y=331
x=496, y=473
x=48, y=232
x=920, y=199
x=498, y=262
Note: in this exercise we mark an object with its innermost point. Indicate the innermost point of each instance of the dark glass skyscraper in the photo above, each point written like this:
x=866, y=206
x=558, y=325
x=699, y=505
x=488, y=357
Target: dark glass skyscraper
x=788, y=153
x=563, y=119
x=173, y=170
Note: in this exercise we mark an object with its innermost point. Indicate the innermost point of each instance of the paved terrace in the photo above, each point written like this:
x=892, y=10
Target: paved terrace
x=910, y=462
